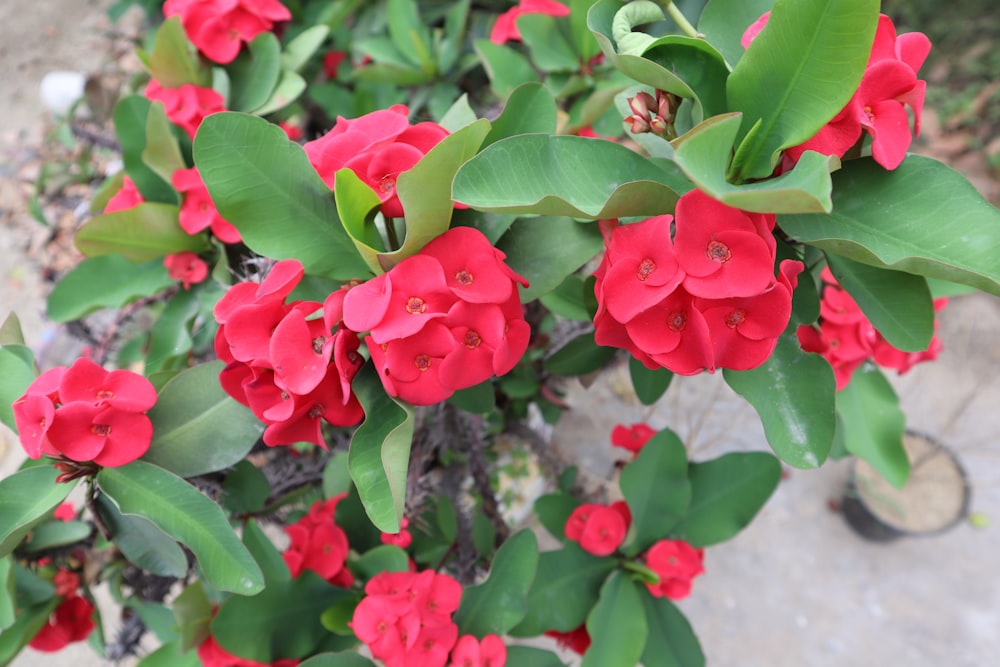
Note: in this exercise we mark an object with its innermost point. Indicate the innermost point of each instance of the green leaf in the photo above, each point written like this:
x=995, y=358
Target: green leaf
x=268, y=558
x=670, y=642
x=162, y=153
x=337, y=660
x=873, y=424
x=703, y=154
x=26, y=498
x=191, y=410
x=336, y=476
x=793, y=392
x=922, y=218
x=25, y=627
x=657, y=490
x=245, y=489
x=299, y=50
x=171, y=336
x=583, y=41
x=529, y=656
x=171, y=655
x=550, y=50
x=6, y=592
x=501, y=602
x=254, y=74
x=898, y=304
x=529, y=109
x=553, y=511
x=571, y=299
x=10, y=331
x=699, y=66
x=139, y=234
x=290, y=87
x=579, y=357
x=357, y=204
x=383, y=558
x=726, y=494
x=546, y=250
x=174, y=60
x=130, y=117
x=108, y=281
x=193, y=612
x=264, y=184
x=617, y=625
x=142, y=542
x=17, y=375
x=544, y=174
x=479, y=399
x=798, y=73
x=506, y=68
x=57, y=534
x=409, y=33
x=723, y=23
x=183, y=513
x=567, y=584
x=459, y=114
x=380, y=451
x=649, y=385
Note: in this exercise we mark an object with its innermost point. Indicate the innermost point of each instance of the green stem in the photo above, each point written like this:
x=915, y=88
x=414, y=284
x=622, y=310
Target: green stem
x=390, y=233
x=681, y=21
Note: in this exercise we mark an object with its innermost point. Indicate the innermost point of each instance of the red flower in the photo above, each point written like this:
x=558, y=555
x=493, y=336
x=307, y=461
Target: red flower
x=293, y=132
x=198, y=212
x=213, y=655
x=220, y=27
x=402, y=539
x=127, y=197
x=187, y=105
x=633, y=437
x=66, y=582
x=505, y=28
x=470, y=652
x=72, y=621
x=319, y=544
x=65, y=512
x=577, y=640
x=599, y=529
x=331, y=61
x=186, y=267
x=677, y=563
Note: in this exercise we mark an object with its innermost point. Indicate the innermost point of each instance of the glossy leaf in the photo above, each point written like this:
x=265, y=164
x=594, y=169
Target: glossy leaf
x=264, y=552
x=264, y=184
x=26, y=625
x=670, y=642
x=299, y=50
x=192, y=410
x=140, y=234
x=723, y=23
x=171, y=655
x=174, y=60
x=245, y=489
x=922, y=218
x=501, y=601
x=27, y=498
x=255, y=73
x=170, y=336
x=142, y=542
x=17, y=375
x=617, y=625
x=699, y=65
x=336, y=476
x=108, y=281
x=506, y=68
x=579, y=357
x=649, y=385
x=162, y=153
x=193, y=612
x=479, y=399
x=571, y=299
x=798, y=73
x=542, y=174
x=53, y=534
x=337, y=660
x=130, y=117
x=183, y=513
x=529, y=656
x=380, y=451
x=6, y=592
x=873, y=423
x=793, y=393
x=726, y=494
x=550, y=50
x=657, y=490
x=383, y=558
x=357, y=205
x=529, y=109
x=289, y=88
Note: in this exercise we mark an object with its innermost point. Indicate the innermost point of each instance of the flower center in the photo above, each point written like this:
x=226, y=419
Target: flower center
x=717, y=251
x=415, y=305
x=318, y=342
x=646, y=267
x=677, y=321
x=100, y=430
x=464, y=277
x=870, y=114
x=105, y=395
x=472, y=339
x=736, y=318
x=387, y=184
x=316, y=411
x=422, y=362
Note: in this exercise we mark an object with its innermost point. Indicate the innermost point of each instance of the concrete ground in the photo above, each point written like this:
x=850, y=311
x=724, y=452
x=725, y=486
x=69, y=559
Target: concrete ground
x=797, y=587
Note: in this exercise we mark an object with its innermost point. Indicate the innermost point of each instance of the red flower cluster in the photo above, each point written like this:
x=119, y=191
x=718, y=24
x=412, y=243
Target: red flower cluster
x=186, y=267
x=405, y=618
x=677, y=563
x=599, y=529
x=846, y=338
x=470, y=652
x=72, y=620
x=633, y=438
x=219, y=27
x=213, y=655
x=198, y=211
x=577, y=640
x=319, y=544
x=878, y=106
x=290, y=368
x=187, y=105
x=709, y=299
x=127, y=197
x=505, y=29
x=378, y=147
x=402, y=539
x=445, y=319
x=86, y=413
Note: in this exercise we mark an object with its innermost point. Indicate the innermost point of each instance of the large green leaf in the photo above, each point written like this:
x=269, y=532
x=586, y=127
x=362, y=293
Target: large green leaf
x=254, y=74
x=657, y=490
x=108, y=281
x=564, y=175
x=264, y=552
x=264, y=184
x=357, y=205
x=501, y=601
x=649, y=385
x=703, y=155
x=380, y=451
x=197, y=427
x=529, y=109
x=17, y=374
x=873, y=424
x=798, y=73
x=617, y=625
x=139, y=234
x=529, y=656
x=923, y=218
x=699, y=65
x=142, y=543
x=566, y=586
x=290, y=87
x=130, y=118
x=727, y=493
x=182, y=512
x=174, y=60
x=546, y=250
x=410, y=34
x=898, y=304
x=52, y=534
x=670, y=642
x=793, y=393
x=723, y=23
x=26, y=498
x=506, y=68
x=550, y=50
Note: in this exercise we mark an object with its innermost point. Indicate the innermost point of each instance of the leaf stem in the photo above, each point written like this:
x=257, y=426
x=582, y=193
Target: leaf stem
x=390, y=233
x=681, y=20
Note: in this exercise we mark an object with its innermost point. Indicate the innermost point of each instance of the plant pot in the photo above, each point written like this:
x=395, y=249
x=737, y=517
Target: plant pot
x=935, y=498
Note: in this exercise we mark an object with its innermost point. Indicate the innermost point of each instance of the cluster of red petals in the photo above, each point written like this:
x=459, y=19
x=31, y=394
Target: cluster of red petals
x=471, y=652
x=331, y=61
x=186, y=267
x=878, y=106
x=405, y=618
x=633, y=438
x=72, y=621
x=402, y=539
x=505, y=29
x=198, y=211
x=187, y=105
x=128, y=196
x=378, y=147
x=577, y=640
x=86, y=413
x=706, y=299
x=442, y=320
x=290, y=363
x=319, y=544
x=213, y=655
x=65, y=512
x=220, y=27
x=847, y=339
x=677, y=563
x=599, y=529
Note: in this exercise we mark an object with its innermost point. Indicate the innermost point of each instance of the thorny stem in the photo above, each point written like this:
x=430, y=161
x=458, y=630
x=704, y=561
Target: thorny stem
x=681, y=21
x=91, y=503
